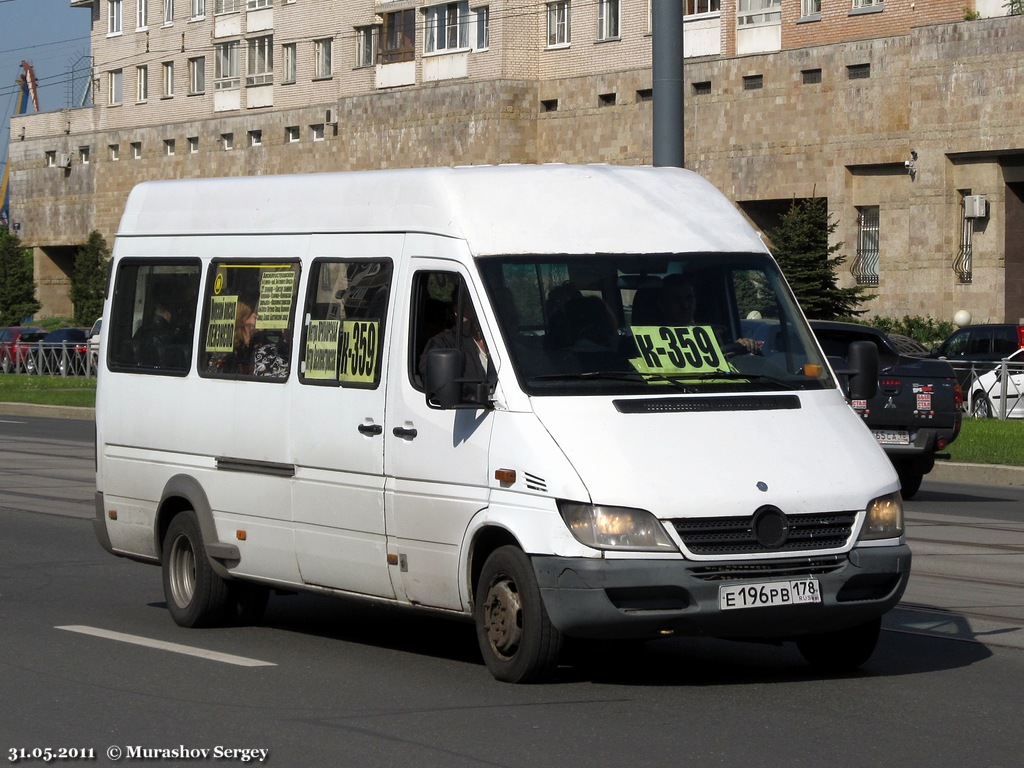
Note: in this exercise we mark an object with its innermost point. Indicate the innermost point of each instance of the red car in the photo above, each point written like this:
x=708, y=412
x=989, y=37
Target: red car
x=14, y=345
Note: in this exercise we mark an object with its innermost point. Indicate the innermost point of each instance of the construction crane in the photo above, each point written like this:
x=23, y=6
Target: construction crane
x=26, y=81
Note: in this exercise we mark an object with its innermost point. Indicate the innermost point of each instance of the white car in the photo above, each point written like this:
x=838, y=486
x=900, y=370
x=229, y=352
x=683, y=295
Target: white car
x=94, y=342
x=986, y=392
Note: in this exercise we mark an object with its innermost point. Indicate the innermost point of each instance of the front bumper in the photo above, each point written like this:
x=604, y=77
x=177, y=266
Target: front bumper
x=621, y=599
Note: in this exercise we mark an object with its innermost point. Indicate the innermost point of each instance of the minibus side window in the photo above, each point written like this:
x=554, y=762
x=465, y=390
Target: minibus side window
x=346, y=311
x=438, y=299
x=153, y=316
x=248, y=320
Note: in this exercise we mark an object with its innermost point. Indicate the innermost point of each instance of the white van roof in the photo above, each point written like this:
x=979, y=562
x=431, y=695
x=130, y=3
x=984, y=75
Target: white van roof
x=505, y=209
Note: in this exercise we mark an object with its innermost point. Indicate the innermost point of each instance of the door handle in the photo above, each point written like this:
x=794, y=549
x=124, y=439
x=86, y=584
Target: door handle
x=402, y=432
x=370, y=429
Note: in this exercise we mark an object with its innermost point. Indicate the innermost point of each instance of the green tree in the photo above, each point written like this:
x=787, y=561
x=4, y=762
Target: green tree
x=17, y=286
x=810, y=264
x=89, y=281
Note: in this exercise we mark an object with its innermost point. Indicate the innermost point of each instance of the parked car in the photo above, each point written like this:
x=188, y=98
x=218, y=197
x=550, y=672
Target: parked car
x=917, y=411
x=94, y=341
x=15, y=342
x=975, y=349
x=64, y=351
x=986, y=393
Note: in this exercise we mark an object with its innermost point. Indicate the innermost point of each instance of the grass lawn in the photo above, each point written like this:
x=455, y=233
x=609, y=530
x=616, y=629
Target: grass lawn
x=48, y=390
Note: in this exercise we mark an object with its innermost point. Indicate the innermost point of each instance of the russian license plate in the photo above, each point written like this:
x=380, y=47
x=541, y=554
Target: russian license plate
x=892, y=436
x=768, y=593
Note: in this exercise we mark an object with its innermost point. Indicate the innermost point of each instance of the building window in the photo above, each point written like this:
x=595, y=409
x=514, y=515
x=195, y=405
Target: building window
x=226, y=71
x=697, y=7
x=607, y=19
x=252, y=5
x=136, y=150
x=256, y=138
x=83, y=155
x=858, y=71
x=197, y=75
x=115, y=152
x=113, y=17
x=447, y=27
x=558, y=23
x=865, y=266
x=963, y=263
x=168, y=11
x=227, y=140
x=169, y=147
x=142, y=14
x=198, y=9
x=549, y=105
x=50, y=158
x=753, y=82
x=753, y=13
x=810, y=8
x=878, y=4
x=483, y=28
x=399, y=36
x=322, y=58
x=288, y=53
x=142, y=78
x=366, y=46
x=226, y=6
x=193, y=145
x=260, y=61
x=115, y=86
x=703, y=88
x=316, y=132
x=291, y=134
x=168, y=68
x=811, y=76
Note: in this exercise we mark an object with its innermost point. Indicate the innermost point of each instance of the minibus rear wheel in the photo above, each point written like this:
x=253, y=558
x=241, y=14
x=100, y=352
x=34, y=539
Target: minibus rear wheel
x=517, y=640
x=195, y=595
x=843, y=650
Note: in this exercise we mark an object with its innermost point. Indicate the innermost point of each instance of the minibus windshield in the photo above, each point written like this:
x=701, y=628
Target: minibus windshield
x=628, y=323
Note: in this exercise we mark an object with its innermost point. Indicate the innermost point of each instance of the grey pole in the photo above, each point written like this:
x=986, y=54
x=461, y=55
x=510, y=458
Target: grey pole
x=667, y=70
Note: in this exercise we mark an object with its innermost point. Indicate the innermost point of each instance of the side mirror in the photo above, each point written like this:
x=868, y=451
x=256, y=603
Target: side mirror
x=862, y=359
x=442, y=379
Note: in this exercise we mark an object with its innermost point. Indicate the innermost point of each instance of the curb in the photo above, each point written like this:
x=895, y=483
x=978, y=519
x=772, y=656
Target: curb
x=47, y=411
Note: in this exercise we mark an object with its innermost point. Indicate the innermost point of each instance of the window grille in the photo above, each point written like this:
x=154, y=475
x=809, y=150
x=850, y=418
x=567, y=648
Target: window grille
x=865, y=266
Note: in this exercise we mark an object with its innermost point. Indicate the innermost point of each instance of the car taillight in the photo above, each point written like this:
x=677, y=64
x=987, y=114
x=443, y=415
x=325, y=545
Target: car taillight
x=958, y=395
x=1020, y=336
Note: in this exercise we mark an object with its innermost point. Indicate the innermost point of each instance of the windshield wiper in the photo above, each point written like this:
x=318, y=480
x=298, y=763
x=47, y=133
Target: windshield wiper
x=613, y=375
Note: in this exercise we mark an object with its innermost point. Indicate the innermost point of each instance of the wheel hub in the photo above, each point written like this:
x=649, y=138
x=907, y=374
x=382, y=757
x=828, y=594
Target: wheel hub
x=503, y=611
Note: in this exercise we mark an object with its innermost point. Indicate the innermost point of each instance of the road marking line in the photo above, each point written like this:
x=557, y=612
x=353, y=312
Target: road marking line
x=187, y=650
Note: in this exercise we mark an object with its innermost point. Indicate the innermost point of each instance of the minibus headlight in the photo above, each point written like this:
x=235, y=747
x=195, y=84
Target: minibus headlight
x=618, y=528
x=884, y=519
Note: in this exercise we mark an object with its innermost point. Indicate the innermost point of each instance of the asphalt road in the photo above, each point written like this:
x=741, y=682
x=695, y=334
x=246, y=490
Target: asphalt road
x=91, y=660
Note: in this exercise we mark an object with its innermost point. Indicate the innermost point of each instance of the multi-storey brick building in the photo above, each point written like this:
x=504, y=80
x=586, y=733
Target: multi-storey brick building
x=903, y=114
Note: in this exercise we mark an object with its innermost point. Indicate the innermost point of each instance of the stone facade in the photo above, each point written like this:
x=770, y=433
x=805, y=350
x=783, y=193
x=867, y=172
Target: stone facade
x=835, y=113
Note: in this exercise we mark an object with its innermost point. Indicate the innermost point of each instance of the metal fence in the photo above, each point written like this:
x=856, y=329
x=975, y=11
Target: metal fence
x=992, y=390
x=60, y=359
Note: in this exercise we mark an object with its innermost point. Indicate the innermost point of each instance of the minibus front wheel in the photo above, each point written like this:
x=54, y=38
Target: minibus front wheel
x=195, y=595
x=517, y=640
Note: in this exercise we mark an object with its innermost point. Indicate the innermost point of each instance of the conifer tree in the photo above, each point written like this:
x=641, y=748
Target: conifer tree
x=810, y=264
x=89, y=281
x=17, y=285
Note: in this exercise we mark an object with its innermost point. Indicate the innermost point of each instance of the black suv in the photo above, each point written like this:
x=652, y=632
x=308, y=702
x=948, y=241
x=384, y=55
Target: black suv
x=978, y=347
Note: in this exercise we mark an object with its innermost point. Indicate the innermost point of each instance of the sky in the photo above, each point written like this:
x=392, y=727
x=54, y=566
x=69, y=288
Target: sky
x=51, y=36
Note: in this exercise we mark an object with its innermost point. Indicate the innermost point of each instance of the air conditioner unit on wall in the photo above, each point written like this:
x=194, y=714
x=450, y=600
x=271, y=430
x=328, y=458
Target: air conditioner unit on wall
x=64, y=161
x=975, y=206
x=331, y=118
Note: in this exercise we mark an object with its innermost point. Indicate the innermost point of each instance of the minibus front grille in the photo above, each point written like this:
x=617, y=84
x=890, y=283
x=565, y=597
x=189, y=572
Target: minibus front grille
x=738, y=535
x=788, y=569
x=708, y=404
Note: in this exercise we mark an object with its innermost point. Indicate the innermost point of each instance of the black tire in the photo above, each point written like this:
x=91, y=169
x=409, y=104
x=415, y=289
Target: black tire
x=840, y=651
x=910, y=478
x=246, y=603
x=981, y=406
x=195, y=595
x=516, y=637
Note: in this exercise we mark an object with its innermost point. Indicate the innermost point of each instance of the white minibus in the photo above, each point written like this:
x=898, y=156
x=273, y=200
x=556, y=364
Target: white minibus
x=519, y=394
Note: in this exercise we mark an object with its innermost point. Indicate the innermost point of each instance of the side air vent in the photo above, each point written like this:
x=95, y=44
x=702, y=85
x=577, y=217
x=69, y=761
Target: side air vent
x=535, y=483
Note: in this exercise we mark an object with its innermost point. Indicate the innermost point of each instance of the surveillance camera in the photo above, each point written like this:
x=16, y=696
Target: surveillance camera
x=907, y=163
